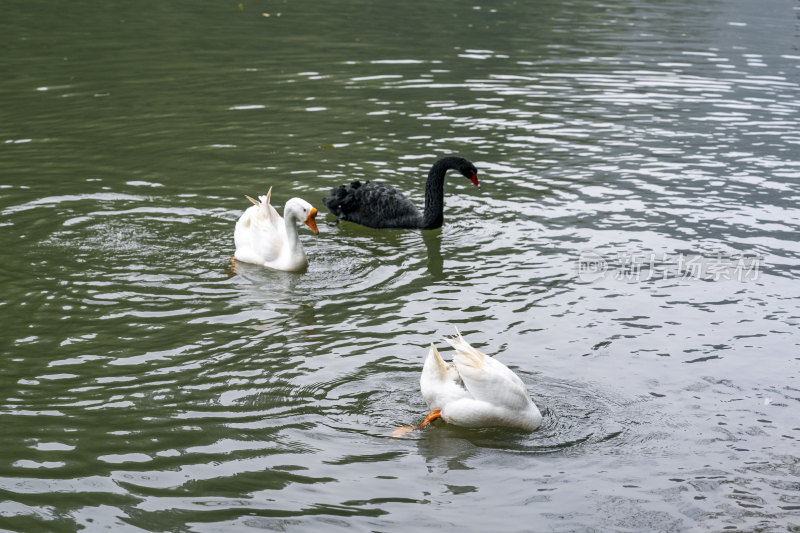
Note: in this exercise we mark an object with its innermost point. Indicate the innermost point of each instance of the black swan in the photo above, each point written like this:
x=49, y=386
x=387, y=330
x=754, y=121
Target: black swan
x=379, y=205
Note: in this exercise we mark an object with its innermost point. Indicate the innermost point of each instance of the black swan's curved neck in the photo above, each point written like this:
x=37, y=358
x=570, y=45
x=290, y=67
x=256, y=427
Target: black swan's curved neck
x=433, y=216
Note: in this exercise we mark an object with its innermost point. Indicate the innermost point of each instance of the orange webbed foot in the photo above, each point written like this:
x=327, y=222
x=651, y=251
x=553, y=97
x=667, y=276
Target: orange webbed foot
x=402, y=431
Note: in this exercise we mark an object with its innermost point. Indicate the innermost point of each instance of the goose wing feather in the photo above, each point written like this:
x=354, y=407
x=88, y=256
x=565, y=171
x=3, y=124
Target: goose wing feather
x=257, y=238
x=259, y=235
x=487, y=379
x=439, y=382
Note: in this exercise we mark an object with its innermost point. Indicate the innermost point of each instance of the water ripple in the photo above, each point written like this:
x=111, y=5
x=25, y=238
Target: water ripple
x=145, y=375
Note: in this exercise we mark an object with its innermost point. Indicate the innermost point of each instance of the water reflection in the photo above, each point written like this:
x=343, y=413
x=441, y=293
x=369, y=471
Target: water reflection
x=433, y=246
x=138, y=374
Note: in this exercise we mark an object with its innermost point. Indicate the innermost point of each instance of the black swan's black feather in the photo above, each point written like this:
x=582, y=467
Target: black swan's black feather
x=379, y=205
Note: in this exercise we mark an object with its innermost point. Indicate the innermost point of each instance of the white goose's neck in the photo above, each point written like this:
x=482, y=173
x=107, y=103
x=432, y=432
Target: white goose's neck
x=290, y=222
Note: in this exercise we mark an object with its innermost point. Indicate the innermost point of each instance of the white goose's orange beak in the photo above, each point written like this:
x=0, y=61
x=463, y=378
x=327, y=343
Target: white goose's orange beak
x=311, y=222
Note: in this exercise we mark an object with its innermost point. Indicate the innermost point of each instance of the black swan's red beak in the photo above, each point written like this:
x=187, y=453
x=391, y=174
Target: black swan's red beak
x=474, y=180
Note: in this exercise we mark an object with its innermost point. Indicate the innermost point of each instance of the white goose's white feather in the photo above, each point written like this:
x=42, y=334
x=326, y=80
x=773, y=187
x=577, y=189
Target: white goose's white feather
x=264, y=238
x=476, y=390
x=440, y=382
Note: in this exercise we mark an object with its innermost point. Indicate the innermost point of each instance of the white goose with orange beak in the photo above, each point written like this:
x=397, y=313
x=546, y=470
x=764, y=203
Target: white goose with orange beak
x=474, y=391
x=264, y=238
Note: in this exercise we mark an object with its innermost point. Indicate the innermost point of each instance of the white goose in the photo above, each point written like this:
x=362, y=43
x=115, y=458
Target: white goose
x=475, y=391
x=264, y=238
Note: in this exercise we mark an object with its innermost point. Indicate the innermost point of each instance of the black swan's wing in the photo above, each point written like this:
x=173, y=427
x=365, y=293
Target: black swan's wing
x=373, y=204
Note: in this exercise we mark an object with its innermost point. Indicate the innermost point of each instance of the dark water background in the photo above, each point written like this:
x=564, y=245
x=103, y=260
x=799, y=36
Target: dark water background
x=145, y=387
